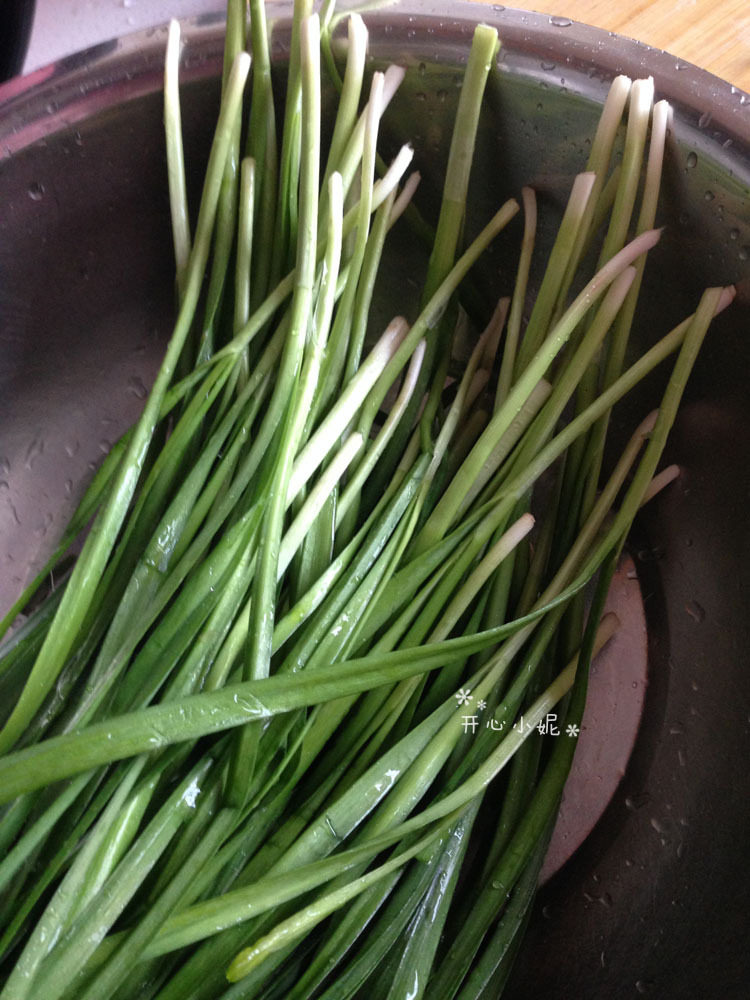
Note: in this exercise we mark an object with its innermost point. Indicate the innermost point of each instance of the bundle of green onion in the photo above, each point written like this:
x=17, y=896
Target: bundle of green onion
x=235, y=754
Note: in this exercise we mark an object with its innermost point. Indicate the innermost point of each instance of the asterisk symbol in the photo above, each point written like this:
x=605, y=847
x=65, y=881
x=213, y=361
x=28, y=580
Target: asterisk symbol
x=463, y=696
x=481, y=704
x=572, y=730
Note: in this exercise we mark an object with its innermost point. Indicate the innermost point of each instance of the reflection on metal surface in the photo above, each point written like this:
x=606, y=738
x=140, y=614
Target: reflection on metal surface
x=614, y=705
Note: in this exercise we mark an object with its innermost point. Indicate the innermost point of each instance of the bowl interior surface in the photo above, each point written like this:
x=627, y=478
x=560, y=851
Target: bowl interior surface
x=655, y=899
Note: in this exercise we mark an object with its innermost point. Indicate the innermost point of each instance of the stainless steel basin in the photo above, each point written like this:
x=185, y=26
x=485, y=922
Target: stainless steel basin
x=656, y=900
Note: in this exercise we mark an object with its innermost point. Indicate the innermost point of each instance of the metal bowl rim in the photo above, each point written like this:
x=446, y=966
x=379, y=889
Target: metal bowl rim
x=70, y=89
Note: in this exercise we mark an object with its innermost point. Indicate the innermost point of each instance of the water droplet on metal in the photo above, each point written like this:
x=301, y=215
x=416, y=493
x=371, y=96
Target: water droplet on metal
x=44, y=527
x=744, y=253
x=549, y=66
x=734, y=234
x=696, y=611
x=634, y=802
x=36, y=191
x=651, y=555
x=136, y=387
x=704, y=120
x=13, y=511
x=33, y=452
x=692, y=160
x=560, y=22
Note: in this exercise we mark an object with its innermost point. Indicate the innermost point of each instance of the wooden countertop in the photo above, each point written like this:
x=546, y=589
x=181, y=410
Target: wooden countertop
x=713, y=34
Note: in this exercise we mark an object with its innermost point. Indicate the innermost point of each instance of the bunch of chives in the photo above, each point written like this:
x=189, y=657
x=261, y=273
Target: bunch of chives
x=238, y=757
